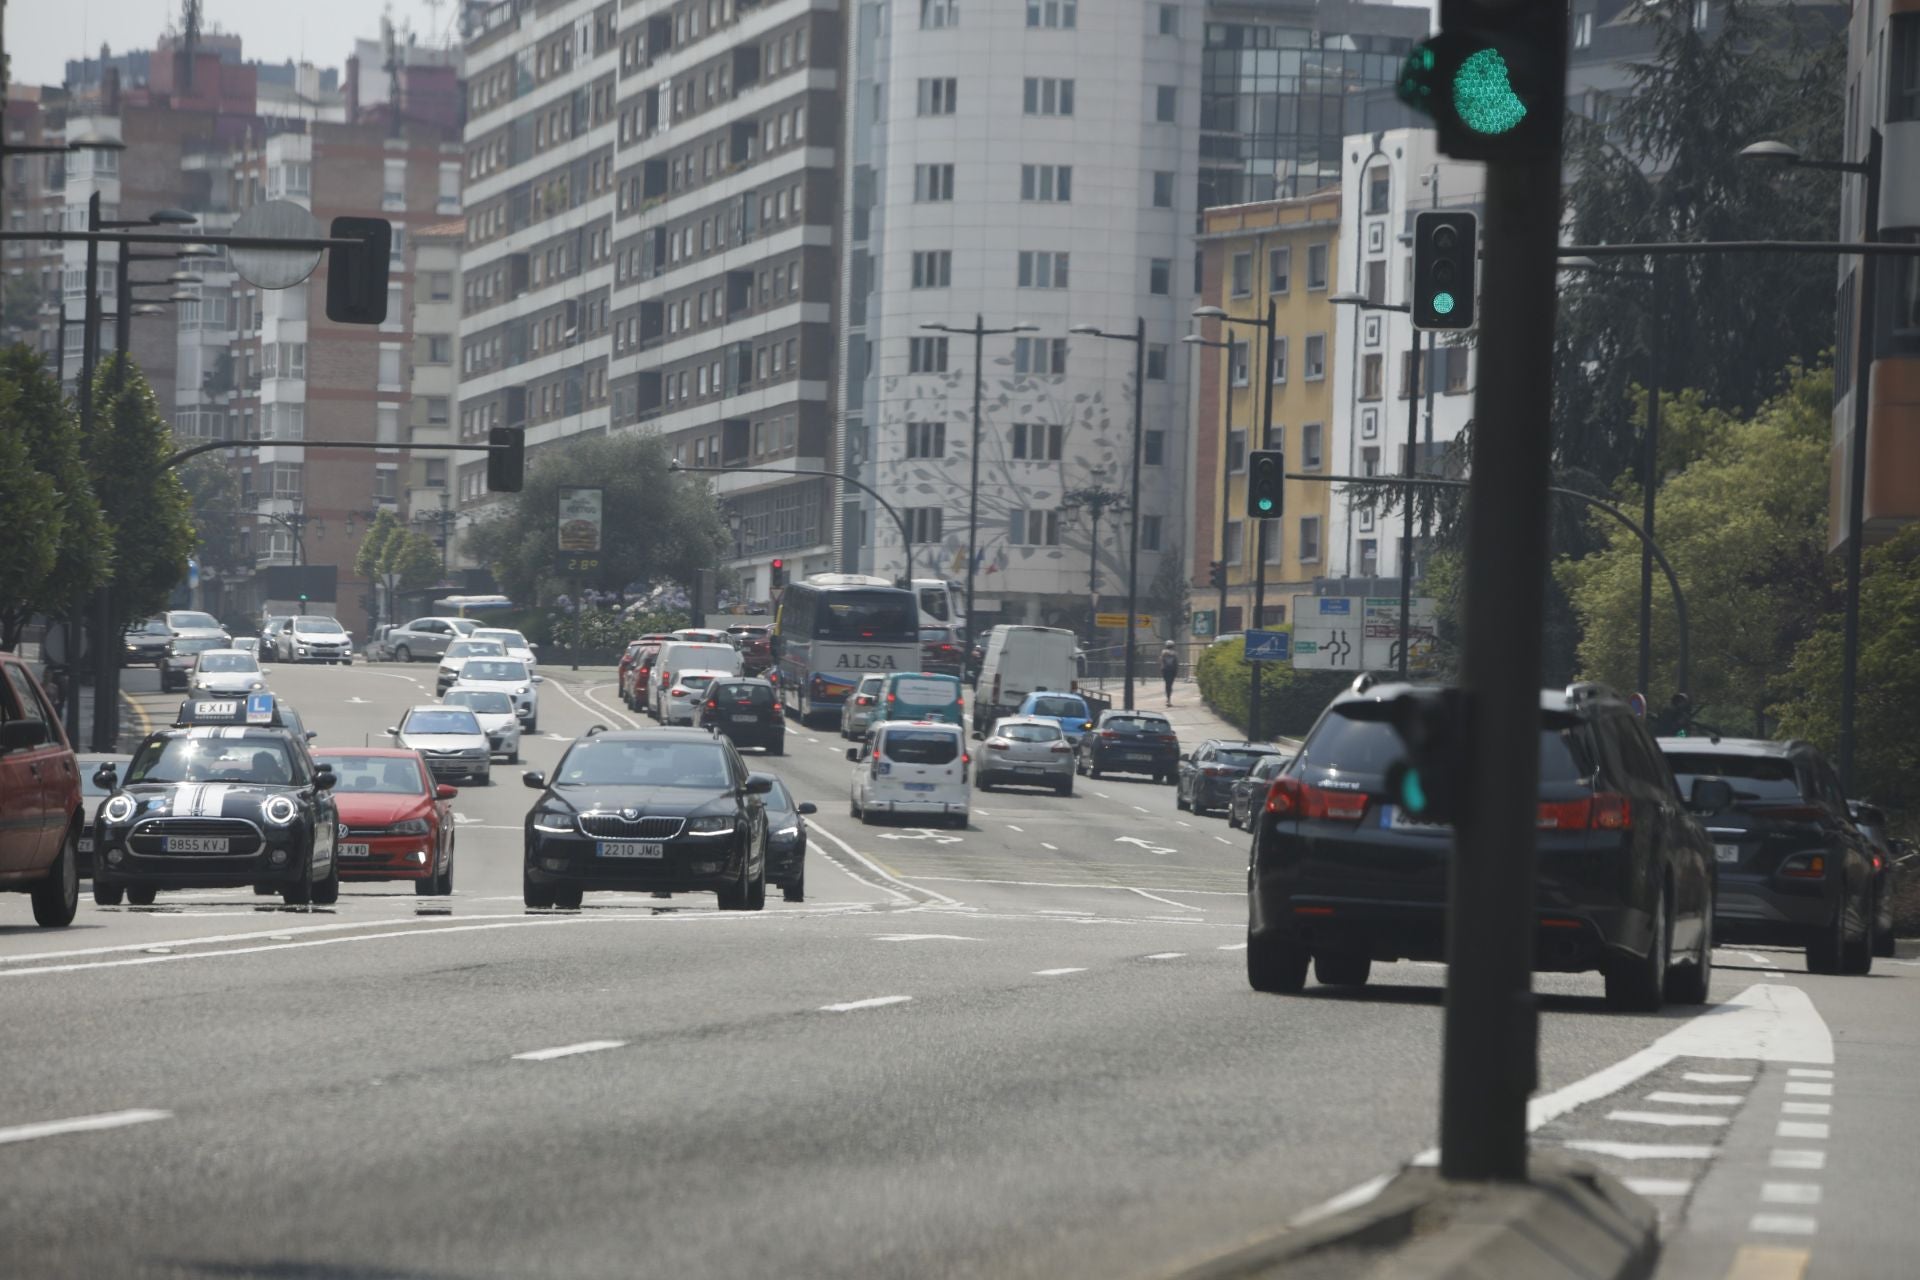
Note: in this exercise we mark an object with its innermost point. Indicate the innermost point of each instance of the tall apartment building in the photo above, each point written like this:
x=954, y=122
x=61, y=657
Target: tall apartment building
x=34, y=193
x=650, y=244
x=1026, y=161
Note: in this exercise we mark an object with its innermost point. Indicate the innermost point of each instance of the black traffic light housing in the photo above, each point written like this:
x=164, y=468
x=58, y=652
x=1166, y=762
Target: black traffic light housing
x=1445, y=254
x=1217, y=574
x=1430, y=781
x=777, y=574
x=357, y=273
x=506, y=459
x=1493, y=78
x=1266, y=483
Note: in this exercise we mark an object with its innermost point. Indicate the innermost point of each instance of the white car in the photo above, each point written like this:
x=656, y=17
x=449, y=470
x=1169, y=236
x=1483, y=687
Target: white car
x=682, y=703
x=457, y=654
x=508, y=676
x=314, y=638
x=516, y=645
x=912, y=768
x=227, y=671
x=494, y=711
x=247, y=644
x=450, y=739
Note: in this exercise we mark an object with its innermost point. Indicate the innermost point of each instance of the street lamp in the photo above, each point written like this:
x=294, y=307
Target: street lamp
x=979, y=333
x=1780, y=153
x=1226, y=471
x=1139, y=340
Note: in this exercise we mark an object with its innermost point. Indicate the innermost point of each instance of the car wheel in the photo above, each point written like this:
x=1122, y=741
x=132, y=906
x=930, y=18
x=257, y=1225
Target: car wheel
x=1276, y=966
x=795, y=890
x=778, y=746
x=107, y=895
x=1637, y=984
x=403, y=654
x=1093, y=771
x=568, y=899
x=514, y=757
x=985, y=783
x=1233, y=818
x=533, y=725
x=1065, y=788
x=141, y=896
x=1883, y=939
x=1688, y=983
x=1342, y=968
x=327, y=892
x=297, y=894
x=1179, y=797
x=1856, y=958
x=1824, y=951
x=426, y=886
x=538, y=897
x=57, y=898
x=757, y=890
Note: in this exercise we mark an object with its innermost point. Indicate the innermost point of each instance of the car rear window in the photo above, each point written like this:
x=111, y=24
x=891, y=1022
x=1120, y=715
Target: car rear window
x=1752, y=777
x=920, y=691
x=1371, y=747
x=1137, y=724
x=920, y=746
x=1031, y=732
x=1244, y=759
x=1060, y=707
x=694, y=680
x=758, y=695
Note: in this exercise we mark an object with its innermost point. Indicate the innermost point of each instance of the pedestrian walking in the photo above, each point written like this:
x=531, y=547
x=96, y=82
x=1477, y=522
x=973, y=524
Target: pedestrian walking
x=1169, y=667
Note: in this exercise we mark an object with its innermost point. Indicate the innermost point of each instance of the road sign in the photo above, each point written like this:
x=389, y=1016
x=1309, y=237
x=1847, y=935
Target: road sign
x=1359, y=633
x=1201, y=624
x=1120, y=620
x=1269, y=646
x=277, y=268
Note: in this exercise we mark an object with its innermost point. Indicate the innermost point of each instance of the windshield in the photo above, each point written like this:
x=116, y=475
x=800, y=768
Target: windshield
x=318, y=626
x=228, y=662
x=921, y=746
x=1240, y=759
x=493, y=669
x=487, y=702
x=1372, y=747
x=629, y=762
x=1030, y=732
x=153, y=627
x=250, y=759
x=933, y=602
x=757, y=695
x=856, y=615
x=694, y=680
x=1060, y=707
x=779, y=801
x=476, y=649
x=198, y=644
x=511, y=639
x=1752, y=777
x=183, y=620
x=926, y=691
x=438, y=721
x=385, y=775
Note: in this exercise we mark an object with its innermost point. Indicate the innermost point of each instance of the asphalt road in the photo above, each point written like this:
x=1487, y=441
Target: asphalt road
x=1025, y=1049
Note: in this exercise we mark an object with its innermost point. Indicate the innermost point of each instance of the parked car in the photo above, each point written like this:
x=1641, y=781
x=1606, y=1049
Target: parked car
x=1872, y=821
x=1249, y=793
x=1130, y=742
x=450, y=739
x=1794, y=870
x=1206, y=774
x=914, y=769
x=1026, y=751
x=1068, y=710
x=1341, y=875
x=942, y=650
x=427, y=637
x=42, y=815
x=747, y=712
x=858, y=712
x=456, y=657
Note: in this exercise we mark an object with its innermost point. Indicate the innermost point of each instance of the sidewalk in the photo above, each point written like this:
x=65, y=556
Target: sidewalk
x=1192, y=719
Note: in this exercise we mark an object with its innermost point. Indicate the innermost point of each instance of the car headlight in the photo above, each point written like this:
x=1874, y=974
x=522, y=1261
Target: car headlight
x=411, y=827
x=521, y=691
x=118, y=808
x=787, y=833
x=279, y=810
x=559, y=824
x=709, y=826
x=256, y=686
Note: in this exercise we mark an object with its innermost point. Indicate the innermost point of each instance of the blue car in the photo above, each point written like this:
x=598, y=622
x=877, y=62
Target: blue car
x=1068, y=710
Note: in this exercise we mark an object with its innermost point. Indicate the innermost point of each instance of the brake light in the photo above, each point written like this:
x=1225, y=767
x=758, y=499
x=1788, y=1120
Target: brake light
x=1216, y=770
x=1794, y=813
x=712, y=705
x=1170, y=738
x=966, y=758
x=1878, y=862
x=679, y=693
x=1061, y=747
x=1805, y=867
x=1603, y=811
x=1292, y=798
x=995, y=744
x=890, y=697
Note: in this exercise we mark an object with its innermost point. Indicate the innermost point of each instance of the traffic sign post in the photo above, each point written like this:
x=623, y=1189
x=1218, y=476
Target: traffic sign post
x=1269, y=646
x=1359, y=633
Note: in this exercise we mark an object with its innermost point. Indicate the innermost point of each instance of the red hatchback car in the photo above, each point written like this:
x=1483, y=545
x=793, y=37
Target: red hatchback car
x=636, y=667
x=396, y=823
x=41, y=817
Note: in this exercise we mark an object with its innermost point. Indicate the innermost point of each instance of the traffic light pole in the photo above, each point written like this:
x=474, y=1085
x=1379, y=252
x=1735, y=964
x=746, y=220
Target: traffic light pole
x=1260, y=537
x=1406, y=507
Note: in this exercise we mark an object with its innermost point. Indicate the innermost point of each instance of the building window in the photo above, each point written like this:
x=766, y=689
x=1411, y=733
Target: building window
x=1369, y=556
x=1160, y=276
x=1316, y=357
x=1040, y=355
x=939, y=14
x=1046, y=96
x=932, y=269
x=1149, y=533
x=1169, y=19
x=932, y=182
x=1456, y=370
x=440, y=349
x=1702, y=14
x=1903, y=69
x=1238, y=355
x=1156, y=362
x=1279, y=270
x=927, y=355
x=1166, y=104
x=1035, y=441
x=1316, y=266
x=939, y=97
x=1035, y=529
x=1162, y=189
x=1153, y=448
x=1242, y=275
x=440, y=285
x=1370, y=374
x=1042, y=269
x=1280, y=358
x=1379, y=187
x=1310, y=446
x=1377, y=281
x=926, y=439
x=1236, y=535
x=1236, y=451
x=1309, y=539
x=1047, y=182
x=1051, y=13
x=924, y=523
x=1582, y=29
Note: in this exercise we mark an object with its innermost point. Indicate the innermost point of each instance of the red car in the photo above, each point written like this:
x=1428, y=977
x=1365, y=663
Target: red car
x=396, y=823
x=755, y=643
x=41, y=817
x=636, y=666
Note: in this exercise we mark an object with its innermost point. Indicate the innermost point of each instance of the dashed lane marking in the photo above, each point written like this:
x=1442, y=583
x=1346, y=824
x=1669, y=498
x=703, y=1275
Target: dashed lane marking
x=1659, y=1186
x=81, y=1124
x=1054, y=847
x=569, y=1050
x=1799, y=1158
x=1801, y=1129
x=1165, y=955
x=1790, y=1192
x=1784, y=1224
x=874, y=1003
x=1055, y=973
x=1696, y=1099
x=1714, y=1077
x=1806, y=1108
x=1810, y=1073
x=1232, y=946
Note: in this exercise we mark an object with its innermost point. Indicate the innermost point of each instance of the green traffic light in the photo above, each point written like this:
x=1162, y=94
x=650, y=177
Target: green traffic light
x=1412, y=794
x=1266, y=504
x=1483, y=95
x=1443, y=303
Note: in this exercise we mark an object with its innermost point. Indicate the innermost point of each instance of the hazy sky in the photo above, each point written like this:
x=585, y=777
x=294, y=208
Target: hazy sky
x=43, y=34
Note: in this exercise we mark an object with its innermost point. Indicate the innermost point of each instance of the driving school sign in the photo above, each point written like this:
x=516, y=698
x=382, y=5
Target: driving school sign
x=579, y=524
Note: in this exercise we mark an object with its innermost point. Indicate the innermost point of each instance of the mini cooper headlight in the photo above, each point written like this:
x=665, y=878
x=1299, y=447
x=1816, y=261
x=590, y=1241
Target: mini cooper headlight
x=118, y=808
x=279, y=810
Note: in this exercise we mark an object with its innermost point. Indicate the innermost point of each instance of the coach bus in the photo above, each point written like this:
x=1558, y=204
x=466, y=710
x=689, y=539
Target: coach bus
x=834, y=628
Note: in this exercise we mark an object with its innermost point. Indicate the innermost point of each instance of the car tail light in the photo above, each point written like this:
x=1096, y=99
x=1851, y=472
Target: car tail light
x=1292, y=798
x=1216, y=770
x=1603, y=811
x=966, y=758
x=679, y=693
x=1171, y=739
x=890, y=697
x=1108, y=735
x=1805, y=867
x=712, y=705
x=995, y=744
x=1878, y=862
x=1061, y=747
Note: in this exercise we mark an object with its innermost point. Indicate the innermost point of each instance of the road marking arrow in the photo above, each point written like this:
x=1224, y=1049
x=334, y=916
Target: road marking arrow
x=921, y=833
x=1148, y=845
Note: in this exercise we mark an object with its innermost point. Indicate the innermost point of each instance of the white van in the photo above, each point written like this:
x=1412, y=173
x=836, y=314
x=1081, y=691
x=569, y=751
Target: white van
x=1020, y=661
x=911, y=767
x=687, y=655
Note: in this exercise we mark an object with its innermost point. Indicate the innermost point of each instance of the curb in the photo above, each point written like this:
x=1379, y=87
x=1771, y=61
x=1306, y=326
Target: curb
x=1569, y=1221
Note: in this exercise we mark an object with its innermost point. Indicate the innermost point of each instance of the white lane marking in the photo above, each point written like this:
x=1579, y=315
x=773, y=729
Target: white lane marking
x=1669, y=1119
x=1784, y=1224
x=813, y=739
x=1806, y=1108
x=1165, y=955
x=1054, y=847
x=1801, y=1129
x=1021, y=830
x=1810, y=1073
x=1223, y=840
x=1062, y=911
x=901, y=892
x=1183, y=822
x=874, y=1003
x=1798, y=1158
x=598, y=708
x=1351, y=1198
x=1054, y=973
x=1695, y=1099
x=1233, y=946
x=1641, y=1150
x=1790, y=1192
x=923, y=937
x=1160, y=849
x=569, y=1050
x=1142, y=808
x=1759, y=959
x=1103, y=795
x=81, y=1124
x=1659, y=1186
x=1053, y=884
x=215, y=939
x=1714, y=1077
x=1169, y=901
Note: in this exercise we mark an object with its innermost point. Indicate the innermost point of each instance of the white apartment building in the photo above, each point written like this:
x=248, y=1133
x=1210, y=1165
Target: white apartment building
x=1386, y=178
x=1026, y=161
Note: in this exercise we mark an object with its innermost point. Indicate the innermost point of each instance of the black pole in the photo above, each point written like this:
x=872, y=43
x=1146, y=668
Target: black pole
x=101, y=739
x=1260, y=536
x=1857, y=467
x=1426, y=512
x=973, y=501
x=579, y=623
x=1133, y=515
x=1406, y=514
x=1650, y=475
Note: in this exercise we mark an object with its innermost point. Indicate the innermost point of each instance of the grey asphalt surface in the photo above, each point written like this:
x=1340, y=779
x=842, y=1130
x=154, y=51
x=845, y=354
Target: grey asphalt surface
x=1078, y=1083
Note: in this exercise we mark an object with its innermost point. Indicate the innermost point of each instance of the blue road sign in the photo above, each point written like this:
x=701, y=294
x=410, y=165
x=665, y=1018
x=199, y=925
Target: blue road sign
x=259, y=708
x=1269, y=646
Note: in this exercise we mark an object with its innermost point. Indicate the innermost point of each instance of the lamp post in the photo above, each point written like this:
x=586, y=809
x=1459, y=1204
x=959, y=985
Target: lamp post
x=1226, y=470
x=1364, y=303
x=979, y=333
x=1139, y=340
x=1260, y=526
x=1096, y=500
x=1869, y=169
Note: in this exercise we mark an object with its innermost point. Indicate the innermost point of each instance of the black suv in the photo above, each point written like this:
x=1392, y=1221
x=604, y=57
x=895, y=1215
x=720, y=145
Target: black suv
x=1872, y=821
x=665, y=810
x=1795, y=870
x=1129, y=742
x=1207, y=774
x=747, y=712
x=1341, y=876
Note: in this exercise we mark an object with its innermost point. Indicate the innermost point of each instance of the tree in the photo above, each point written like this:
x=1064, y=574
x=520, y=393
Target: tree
x=1744, y=525
x=213, y=497
x=145, y=507
x=396, y=557
x=33, y=411
x=658, y=526
x=31, y=546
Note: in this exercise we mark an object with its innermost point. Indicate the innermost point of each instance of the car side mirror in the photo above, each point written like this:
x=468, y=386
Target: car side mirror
x=323, y=778
x=1710, y=796
x=106, y=777
x=853, y=753
x=539, y=679
x=393, y=731
x=17, y=735
x=1187, y=756
x=758, y=784
x=445, y=792
x=807, y=808
x=535, y=779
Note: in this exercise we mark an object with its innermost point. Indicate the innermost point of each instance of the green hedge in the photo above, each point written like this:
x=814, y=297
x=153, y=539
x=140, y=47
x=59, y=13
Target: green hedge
x=1290, y=701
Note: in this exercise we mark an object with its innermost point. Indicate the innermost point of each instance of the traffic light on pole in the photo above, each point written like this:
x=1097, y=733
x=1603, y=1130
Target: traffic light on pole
x=777, y=574
x=357, y=273
x=1217, y=574
x=1492, y=78
x=1445, y=253
x=506, y=459
x=1266, y=483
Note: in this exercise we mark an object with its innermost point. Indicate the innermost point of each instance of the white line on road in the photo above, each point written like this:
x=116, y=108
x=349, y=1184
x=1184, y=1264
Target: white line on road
x=1641, y=1150
x=1183, y=822
x=1103, y=795
x=1714, y=1077
x=1021, y=830
x=882, y=872
x=1233, y=946
x=1142, y=808
x=1810, y=1073
x=215, y=939
x=1801, y=1129
x=1659, y=1186
x=1695, y=1099
x=1784, y=1224
x=1165, y=955
x=1790, y=1192
x=1054, y=973
x=923, y=937
x=1223, y=840
x=81, y=1124
x=1759, y=959
x=1806, y=1108
x=1169, y=901
x=1054, y=847
x=1798, y=1158
x=1669, y=1119
x=569, y=1050
x=1051, y=884
x=874, y=1003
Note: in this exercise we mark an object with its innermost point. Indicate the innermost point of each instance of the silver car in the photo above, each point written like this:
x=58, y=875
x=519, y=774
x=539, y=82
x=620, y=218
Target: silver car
x=427, y=637
x=451, y=740
x=1026, y=751
x=456, y=657
x=861, y=706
